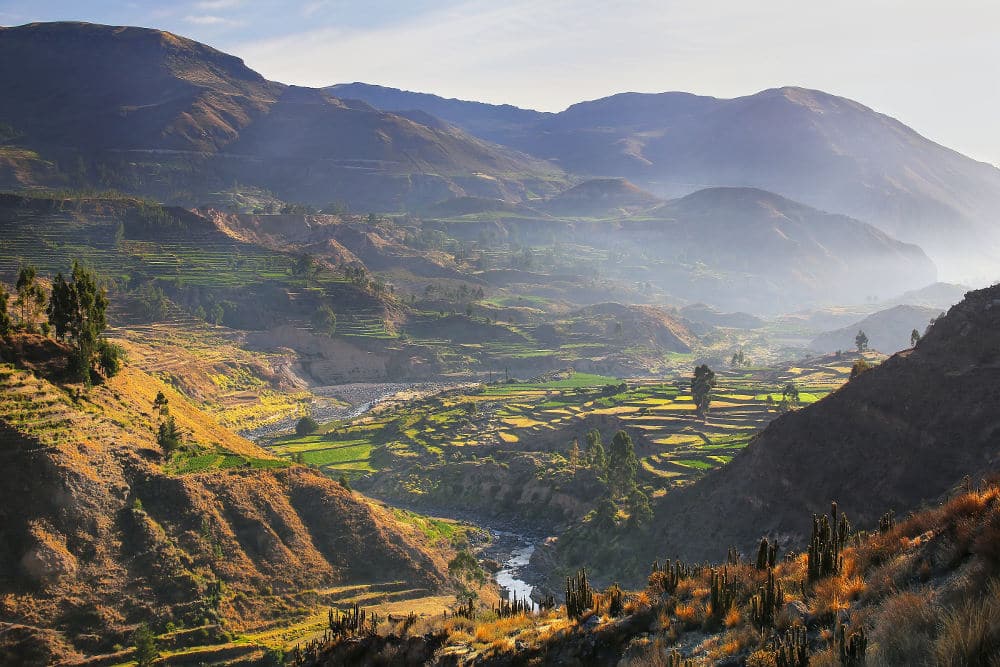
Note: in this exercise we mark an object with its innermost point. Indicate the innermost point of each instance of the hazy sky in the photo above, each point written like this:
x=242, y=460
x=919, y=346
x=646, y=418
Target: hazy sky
x=934, y=65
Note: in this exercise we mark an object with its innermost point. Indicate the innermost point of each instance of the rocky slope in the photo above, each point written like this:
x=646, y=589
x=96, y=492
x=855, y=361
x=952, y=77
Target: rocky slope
x=888, y=330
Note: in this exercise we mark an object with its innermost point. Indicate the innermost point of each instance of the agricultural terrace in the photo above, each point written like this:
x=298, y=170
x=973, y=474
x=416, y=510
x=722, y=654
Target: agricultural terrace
x=548, y=413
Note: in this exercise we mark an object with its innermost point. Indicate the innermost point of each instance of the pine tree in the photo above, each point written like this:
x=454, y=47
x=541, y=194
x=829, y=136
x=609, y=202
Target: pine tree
x=861, y=341
x=595, y=452
x=145, y=646
x=30, y=296
x=702, y=384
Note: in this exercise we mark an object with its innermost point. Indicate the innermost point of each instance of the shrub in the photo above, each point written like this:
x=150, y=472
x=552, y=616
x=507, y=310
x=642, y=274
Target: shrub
x=970, y=635
x=904, y=632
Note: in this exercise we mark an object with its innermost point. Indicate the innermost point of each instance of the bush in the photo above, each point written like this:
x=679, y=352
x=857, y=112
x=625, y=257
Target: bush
x=306, y=426
x=110, y=358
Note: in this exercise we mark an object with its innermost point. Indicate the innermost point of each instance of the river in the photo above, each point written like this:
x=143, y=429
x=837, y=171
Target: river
x=513, y=551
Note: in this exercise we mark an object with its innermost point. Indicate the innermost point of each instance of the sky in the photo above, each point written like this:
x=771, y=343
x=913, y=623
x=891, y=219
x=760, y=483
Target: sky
x=933, y=65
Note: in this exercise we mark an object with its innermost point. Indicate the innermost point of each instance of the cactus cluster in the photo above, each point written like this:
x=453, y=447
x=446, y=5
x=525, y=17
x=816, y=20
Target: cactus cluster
x=767, y=554
x=765, y=605
x=579, y=595
x=851, y=645
x=829, y=536
x=514, y=606
x=724, y=593
x=792, y=650
x=355, y=622
x=665, y=579
x=675, y=659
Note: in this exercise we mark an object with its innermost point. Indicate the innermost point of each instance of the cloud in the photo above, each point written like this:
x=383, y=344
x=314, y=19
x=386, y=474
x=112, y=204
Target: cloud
x=210, y=20
x=217, y=5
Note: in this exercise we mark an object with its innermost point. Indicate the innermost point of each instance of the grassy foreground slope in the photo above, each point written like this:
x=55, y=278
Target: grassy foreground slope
x=101, y=530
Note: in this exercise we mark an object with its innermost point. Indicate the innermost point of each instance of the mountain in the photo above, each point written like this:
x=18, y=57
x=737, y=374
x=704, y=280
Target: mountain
x=776, y=245
x=887, y=330
x=603, y=197
x=499, y=123
x=703, y=314
x=900, y=434
x=941, y=296
x=825, y=151
x=178, y=120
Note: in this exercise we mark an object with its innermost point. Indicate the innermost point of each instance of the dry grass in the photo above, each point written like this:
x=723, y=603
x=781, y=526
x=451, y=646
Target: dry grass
x=970, y=634
x=904, y=630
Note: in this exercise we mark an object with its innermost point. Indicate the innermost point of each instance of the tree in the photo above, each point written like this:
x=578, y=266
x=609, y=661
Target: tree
x=739, y=359
x=161, y=404
x=216, y=314
x=640, y=511
x=790, y=393
x=306, y=426
x=702, y=384
x=914, y=338
x=168, y=436
x=861, y=341
x=77, y=312
x=574, y=453
x=324, y=320
x=110, y=357
x=622, y=465
x=145, y=646
x=5, y=323
x=30, y=296
x=595, y=451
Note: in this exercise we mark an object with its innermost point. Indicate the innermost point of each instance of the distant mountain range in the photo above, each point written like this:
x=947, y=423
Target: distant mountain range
x=148, y=112
x=888, y=330
x=826, y=151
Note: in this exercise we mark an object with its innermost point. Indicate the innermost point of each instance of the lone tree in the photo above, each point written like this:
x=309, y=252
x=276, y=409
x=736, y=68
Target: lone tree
x=701, y=387
x=914, y=338
x=622, y=465
x=306, y=426
x=790, y=393
x=861, y=341
x=30, y=297
x=77, y=313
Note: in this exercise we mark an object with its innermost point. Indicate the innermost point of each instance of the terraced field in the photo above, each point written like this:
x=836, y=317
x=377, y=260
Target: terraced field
x=674, y=443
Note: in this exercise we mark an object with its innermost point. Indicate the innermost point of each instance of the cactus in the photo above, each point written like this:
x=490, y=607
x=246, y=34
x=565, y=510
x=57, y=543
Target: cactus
x=793, y=649
x=616, y=600
x=723, y=594
x=352, y=623
x=887, y=522
x=765, y=605
x=579, y=595
x=674, y=659
x=851, y=646
x=829, y=536
x=507, y=608
x=767, y=554
x=667, y=577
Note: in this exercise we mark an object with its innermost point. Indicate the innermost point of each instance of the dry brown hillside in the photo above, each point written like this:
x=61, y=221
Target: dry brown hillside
x=894, y=437
x=99, y=531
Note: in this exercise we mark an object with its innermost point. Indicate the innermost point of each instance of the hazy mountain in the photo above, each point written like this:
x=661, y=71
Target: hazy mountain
x=501, y=123
x=941, y=296
x=603, y=197
x=898, y=435
x=887, y=330
x=820, y=149
x=148, y=111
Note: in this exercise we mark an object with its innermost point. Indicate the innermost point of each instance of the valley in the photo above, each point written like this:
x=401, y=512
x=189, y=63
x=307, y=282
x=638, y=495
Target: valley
x=308, y=376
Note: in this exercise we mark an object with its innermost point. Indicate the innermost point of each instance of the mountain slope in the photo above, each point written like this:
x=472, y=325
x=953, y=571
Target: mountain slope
x=820, y=149
x=887, y=330
x=170, y=117
x=100, y=530
x=896, y=436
